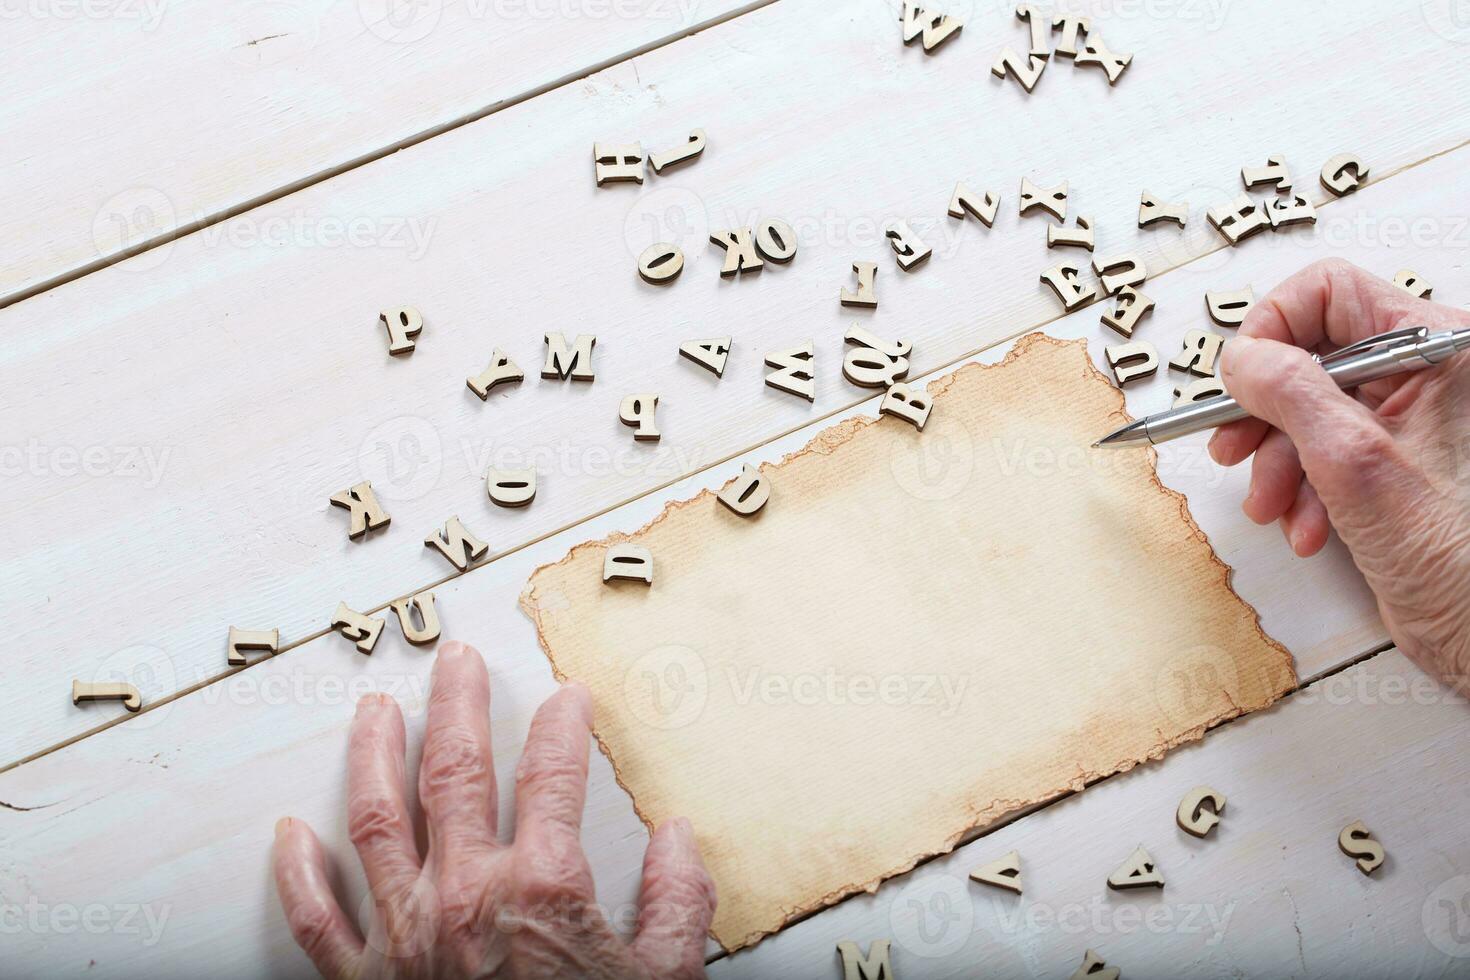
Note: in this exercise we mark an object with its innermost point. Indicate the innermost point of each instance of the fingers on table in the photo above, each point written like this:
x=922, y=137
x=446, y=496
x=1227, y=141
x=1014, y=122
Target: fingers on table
x=378, y=821
x=317, y=922
x=551, y=779
x=457, y=773
x=676, y=904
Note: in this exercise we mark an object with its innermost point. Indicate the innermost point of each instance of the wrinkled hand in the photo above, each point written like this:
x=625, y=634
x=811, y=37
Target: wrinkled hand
x=474, y=906
x=1389, y=468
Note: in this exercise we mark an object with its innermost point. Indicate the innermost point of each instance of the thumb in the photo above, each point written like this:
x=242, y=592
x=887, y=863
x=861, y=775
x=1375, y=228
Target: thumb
x=676, y=905
x=1346, y=452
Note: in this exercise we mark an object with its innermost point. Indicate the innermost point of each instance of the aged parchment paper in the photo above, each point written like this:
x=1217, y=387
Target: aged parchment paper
x=920, y=634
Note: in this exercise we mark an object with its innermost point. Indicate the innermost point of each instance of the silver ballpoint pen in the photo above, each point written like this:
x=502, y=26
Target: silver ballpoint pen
x=1395, y=352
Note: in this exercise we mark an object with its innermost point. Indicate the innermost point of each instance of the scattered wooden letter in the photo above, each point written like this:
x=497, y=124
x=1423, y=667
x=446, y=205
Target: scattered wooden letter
x=456, y=544
x=106, y=691
x=793, y=373
x=1151, y=211
x=1003, y=873
x=255, y=641
x=1194, y=817
x=1356, y=841
x=741, y=256
x=874, y=362
x=670, y=159
x=1052, y=200
x=1408, y=280
x=1096, y=54
x=628, y=561
x=1344, y=174
x=1065, y=281
x=1274, y=172
x=1136, y=872
x=1129, y=307
x=1132, y=361
x=502, y=370
x=908, y=250
x=403, y=324
x=511, y=488
x=1072, y=28
x=362, y=630
x=709, y=354
x=1116, y=272
x=638, y=411
x=1289, y=209
x=1229, y=308
x=747, y=493
x=367, y=513
x=902, y=401
x=775, y=240
x=876, y=965
x=563, y=362
x=866, y=295
x=1093, y=968
x=1057, y=236
x=1239, y=220
x=1200, y=354
x=965, y=201
x=935, y=28
x=422, y=607
x=618, y=162
x=1039, y=24
x=1027, y=71
x=661, y=263
x=1197, y=390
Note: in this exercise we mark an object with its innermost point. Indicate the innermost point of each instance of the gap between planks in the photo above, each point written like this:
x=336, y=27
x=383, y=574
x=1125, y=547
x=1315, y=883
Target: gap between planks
x=372, y=156
x=685, y=476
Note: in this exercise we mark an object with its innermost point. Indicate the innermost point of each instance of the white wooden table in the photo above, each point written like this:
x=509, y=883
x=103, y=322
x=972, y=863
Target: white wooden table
x=203, y=213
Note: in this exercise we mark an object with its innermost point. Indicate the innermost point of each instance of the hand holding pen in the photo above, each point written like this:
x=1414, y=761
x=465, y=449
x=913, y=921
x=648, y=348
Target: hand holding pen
x=1387, y=466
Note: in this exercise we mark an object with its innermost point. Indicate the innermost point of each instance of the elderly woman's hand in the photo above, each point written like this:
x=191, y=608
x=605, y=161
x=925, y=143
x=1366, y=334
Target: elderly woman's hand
x=1389, y=468
x=474, y=906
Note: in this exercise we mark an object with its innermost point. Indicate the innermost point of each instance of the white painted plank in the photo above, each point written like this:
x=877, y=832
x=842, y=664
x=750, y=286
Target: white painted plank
x=129, y=119
x=1268, y=894
x=258, y=376
x=197, y=783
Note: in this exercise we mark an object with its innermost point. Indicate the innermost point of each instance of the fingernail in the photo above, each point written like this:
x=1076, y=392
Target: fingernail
x=281, y=827
x=452, y=649
x=1234, y=348
x=373, y=700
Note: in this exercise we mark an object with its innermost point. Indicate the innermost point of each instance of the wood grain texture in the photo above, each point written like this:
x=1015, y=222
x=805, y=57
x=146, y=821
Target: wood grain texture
x=1267, y=894
x=155, y=115
x=210, y=395
x=197, y=783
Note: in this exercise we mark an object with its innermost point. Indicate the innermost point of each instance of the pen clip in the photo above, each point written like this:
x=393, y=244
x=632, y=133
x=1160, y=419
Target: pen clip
x=1382, y=340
